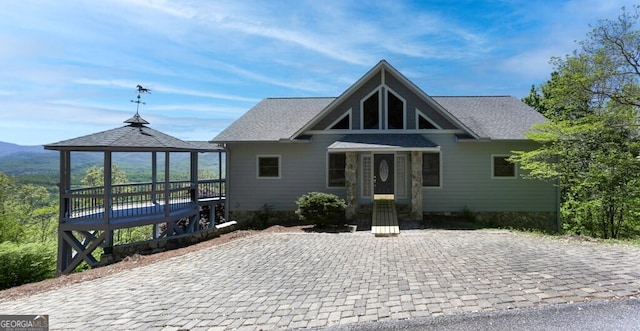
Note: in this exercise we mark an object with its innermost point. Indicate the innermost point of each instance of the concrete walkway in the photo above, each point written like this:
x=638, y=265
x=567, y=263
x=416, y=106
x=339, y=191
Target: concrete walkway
x=289, y=281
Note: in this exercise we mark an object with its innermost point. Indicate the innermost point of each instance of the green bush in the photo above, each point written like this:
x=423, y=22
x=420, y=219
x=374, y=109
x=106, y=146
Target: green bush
x=321, y=209
x=26, y=263
x=262, y=218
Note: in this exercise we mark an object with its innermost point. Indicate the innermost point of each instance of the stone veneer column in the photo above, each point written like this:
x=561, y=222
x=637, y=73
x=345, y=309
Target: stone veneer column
x=416, y=185
x=351, y=183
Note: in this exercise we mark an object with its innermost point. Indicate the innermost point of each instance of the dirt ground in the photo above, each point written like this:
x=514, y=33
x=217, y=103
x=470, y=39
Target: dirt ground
x=130, y=263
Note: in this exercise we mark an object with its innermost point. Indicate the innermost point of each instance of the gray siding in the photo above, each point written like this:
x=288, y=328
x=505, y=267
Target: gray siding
x=466, y=177
x=352, y=102
x=303, y=169
x=413, y=102
x=467, y=181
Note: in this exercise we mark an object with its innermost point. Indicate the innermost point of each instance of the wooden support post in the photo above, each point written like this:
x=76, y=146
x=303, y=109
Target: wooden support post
x=108, y=184
x=64, y=250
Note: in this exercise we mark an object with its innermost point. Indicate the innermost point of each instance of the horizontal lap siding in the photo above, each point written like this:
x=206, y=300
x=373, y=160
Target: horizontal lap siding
x=303, y=169
x=466, y=177
x=467, y=181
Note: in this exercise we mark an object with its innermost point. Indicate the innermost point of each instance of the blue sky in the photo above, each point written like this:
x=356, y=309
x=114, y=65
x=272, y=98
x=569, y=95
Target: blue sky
x=69, y=68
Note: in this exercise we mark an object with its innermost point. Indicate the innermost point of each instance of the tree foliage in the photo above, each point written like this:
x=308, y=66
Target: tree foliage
x=95, y=176
x=27, y=213
x=591, y=143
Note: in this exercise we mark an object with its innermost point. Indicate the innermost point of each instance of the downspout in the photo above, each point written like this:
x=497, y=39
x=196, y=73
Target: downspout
x=227, y=161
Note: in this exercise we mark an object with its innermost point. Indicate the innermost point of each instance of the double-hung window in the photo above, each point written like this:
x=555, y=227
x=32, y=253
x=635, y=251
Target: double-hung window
x=336, y=165
x=501, y=167
x=268, y=166
x=431, y=169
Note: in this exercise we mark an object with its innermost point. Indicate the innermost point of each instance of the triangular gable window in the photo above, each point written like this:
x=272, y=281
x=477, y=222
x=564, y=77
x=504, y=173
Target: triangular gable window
x=395, y=111
x=424, y=123
x=371, y=112
x=342, y=123
x=374, y=110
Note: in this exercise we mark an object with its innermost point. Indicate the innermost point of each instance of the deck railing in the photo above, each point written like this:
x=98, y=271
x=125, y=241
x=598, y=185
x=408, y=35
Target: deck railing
x=138, y=199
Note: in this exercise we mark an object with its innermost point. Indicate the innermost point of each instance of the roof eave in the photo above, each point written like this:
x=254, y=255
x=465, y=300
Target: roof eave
x=384, y=149
x=121, y=149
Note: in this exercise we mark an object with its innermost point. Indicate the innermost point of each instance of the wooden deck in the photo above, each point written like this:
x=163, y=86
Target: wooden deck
x=385, y=218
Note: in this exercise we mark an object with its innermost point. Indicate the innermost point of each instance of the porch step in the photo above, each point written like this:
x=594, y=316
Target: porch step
x=384, y=221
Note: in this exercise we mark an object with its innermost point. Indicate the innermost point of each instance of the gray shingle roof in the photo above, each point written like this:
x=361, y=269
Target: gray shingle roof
x=380, y=142
x=493, y=117
x=488, y=117
x=126, y=138
x=273, y=119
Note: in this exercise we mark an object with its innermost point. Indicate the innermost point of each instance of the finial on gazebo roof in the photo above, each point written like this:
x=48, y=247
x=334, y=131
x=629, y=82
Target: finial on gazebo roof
x=136, y=120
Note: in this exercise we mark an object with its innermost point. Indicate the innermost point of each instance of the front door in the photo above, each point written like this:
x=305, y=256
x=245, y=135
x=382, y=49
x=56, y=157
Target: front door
x=383, y=176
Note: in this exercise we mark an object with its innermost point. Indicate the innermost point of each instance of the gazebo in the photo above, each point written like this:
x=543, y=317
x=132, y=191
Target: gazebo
x=89, y=215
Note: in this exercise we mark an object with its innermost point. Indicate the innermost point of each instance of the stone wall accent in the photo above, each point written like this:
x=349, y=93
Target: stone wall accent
x=540, y=220
x=524, y=220
x=277, y=217
x=164, y=244
x=351, y=184
x=416, y=186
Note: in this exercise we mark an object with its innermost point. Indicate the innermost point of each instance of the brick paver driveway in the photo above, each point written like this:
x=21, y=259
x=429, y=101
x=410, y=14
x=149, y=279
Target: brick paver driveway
x=296, y=280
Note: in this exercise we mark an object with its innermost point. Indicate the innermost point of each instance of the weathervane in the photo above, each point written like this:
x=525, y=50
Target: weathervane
x=141, y=90
x=136, y=120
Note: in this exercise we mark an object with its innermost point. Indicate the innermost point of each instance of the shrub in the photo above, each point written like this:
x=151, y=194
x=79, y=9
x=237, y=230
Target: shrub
x=320, y=208
x=26, y=263
x=262, y=218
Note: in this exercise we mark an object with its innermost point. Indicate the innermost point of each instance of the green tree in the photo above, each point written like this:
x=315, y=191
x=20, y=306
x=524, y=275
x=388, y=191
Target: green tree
x=10, y=228
x=590, y=145
x=95, y=176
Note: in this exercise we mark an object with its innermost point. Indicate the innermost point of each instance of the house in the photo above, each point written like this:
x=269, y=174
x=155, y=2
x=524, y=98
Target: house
x=384, y=135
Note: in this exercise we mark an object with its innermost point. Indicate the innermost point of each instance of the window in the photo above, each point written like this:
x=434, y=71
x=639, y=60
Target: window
x=367, y=175
x=269, y=166
x=502, y=168
x=431, y=169
x=401, y=175
x=337, y=163
x=371, y=112
x=395, y=112
x=342, y=123
x=379, y=114
x=424, y=122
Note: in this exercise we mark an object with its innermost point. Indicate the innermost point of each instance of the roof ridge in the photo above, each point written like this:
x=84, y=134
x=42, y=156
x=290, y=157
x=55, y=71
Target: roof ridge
x=473, y=96
x=281, y=98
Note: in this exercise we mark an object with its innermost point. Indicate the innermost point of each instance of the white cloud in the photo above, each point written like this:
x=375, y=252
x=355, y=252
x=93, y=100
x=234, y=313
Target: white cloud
x=160, y=87
x=77, y=65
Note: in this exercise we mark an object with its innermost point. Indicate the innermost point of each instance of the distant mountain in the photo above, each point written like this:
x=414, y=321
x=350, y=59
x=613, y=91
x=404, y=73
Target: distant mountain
x=30, y=160
x=27, y=160
x=9, y=148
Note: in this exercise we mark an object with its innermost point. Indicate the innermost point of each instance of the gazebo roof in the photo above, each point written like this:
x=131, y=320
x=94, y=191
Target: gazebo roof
x=130, y=138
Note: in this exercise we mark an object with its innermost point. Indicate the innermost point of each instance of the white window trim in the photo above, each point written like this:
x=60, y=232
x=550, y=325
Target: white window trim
x=380, y=112
x=268, y=156
x=439, y=171
x=347, y=113
x=419, y=114
x=386, y=109
x=515, y=167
